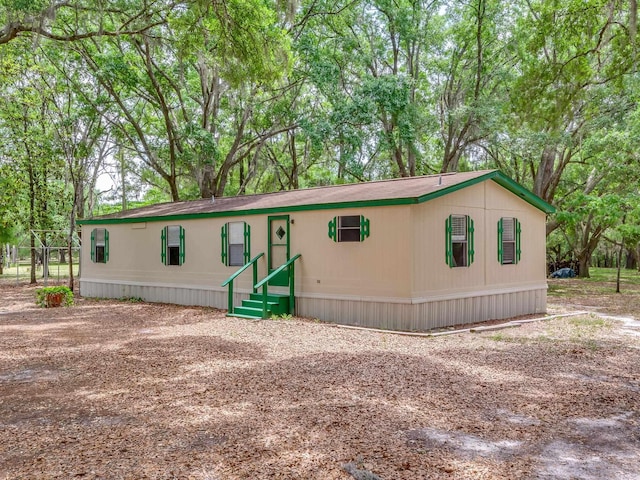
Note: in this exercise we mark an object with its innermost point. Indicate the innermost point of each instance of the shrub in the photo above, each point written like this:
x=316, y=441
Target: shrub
x=54, y=296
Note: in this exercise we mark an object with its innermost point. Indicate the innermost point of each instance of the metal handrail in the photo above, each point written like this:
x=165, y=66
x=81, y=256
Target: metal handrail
x=265, y=281
x=229, y=281
x=276, y=271
x=242, y=269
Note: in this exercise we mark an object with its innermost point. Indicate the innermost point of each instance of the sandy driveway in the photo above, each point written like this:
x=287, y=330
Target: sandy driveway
x=125, y=390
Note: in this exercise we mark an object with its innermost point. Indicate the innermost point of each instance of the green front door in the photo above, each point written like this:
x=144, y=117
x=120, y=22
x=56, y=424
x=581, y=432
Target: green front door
x=278, y=251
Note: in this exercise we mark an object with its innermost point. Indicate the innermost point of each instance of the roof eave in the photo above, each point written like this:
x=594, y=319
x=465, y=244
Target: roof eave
x=494, y=175
x=255, y=211
x=515, y=188
x=502, y=180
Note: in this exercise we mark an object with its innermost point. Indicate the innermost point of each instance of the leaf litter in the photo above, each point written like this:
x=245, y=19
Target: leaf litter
x=115, y=390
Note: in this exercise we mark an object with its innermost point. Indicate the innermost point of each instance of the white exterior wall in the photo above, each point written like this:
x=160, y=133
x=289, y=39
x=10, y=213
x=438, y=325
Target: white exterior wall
x=396, y=278
x=375, y=267
x=442, y=296
x=485, y=203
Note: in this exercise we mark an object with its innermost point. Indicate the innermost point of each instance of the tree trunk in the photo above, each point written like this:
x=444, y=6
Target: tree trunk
x=32, y=222
x=72, y=227
x=45, y=260
x=173, y=188
x=583, y=266
x=123, y=179
x=619, y=267
x=32, y=244
x=451, y=161
x=631, y=259
x=294, y=159
x=542, y=177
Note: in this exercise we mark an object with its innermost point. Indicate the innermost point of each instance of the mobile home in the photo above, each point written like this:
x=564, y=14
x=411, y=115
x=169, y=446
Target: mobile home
x=405, y=254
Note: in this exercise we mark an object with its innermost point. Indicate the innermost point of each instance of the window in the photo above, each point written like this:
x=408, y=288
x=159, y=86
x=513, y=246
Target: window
x=508, y=241
x=349, y=228
x=459, y=241
x=172, y=239
x=236, y=243
x=100, y=245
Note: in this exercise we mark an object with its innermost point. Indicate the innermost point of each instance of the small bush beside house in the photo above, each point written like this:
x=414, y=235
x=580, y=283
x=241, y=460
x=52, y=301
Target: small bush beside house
x=56, y=296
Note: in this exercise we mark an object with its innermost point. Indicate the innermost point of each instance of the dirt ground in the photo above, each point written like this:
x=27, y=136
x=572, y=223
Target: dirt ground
x=127, y=390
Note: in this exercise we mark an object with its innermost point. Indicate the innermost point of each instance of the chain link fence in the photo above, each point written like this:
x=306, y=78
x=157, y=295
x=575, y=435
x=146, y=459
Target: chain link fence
x=51, y=265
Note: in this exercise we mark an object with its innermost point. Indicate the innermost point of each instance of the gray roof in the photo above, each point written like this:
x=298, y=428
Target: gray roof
x=383, y=192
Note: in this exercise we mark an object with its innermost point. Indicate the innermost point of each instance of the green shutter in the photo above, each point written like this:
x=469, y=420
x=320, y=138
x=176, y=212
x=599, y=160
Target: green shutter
x=364, y=228
x=224, y=244
x=93, y=245
x=333, y=229
x=247, y=243
x=163, y=244
x=447, y=241
x=470, y=244
x=518, y=230
x=182, y=246
x=500, y=230
x=106, y=245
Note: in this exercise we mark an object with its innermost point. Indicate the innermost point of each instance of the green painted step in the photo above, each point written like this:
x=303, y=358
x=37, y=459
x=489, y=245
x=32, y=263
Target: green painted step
x=282, y=300
x=239, y=315
x=252, y=308
x=273, y=307
x=271, y=297
x=248, y=311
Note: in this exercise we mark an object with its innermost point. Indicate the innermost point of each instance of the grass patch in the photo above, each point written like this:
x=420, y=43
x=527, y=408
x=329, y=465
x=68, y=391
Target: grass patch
x=610, y=274
x=131, y=299
x=501, y=337
x=599, y=290
x=556, y=290
x=546, y=339
x=588, y=322
x=591, y=344
x=23, y=271
x=281, y=316
x=572, y=287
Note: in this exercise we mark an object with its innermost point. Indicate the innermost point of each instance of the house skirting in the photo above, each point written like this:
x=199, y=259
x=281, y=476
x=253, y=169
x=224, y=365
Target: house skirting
x=416, y=314
x=426, y=313
x=160, y=293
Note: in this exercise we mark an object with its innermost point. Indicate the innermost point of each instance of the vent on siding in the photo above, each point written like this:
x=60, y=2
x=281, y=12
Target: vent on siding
x=173, y=239
x=458, y=228
x=508, y=230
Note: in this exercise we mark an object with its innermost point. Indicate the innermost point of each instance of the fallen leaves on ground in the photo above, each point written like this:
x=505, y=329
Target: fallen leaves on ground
x=120, y=390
